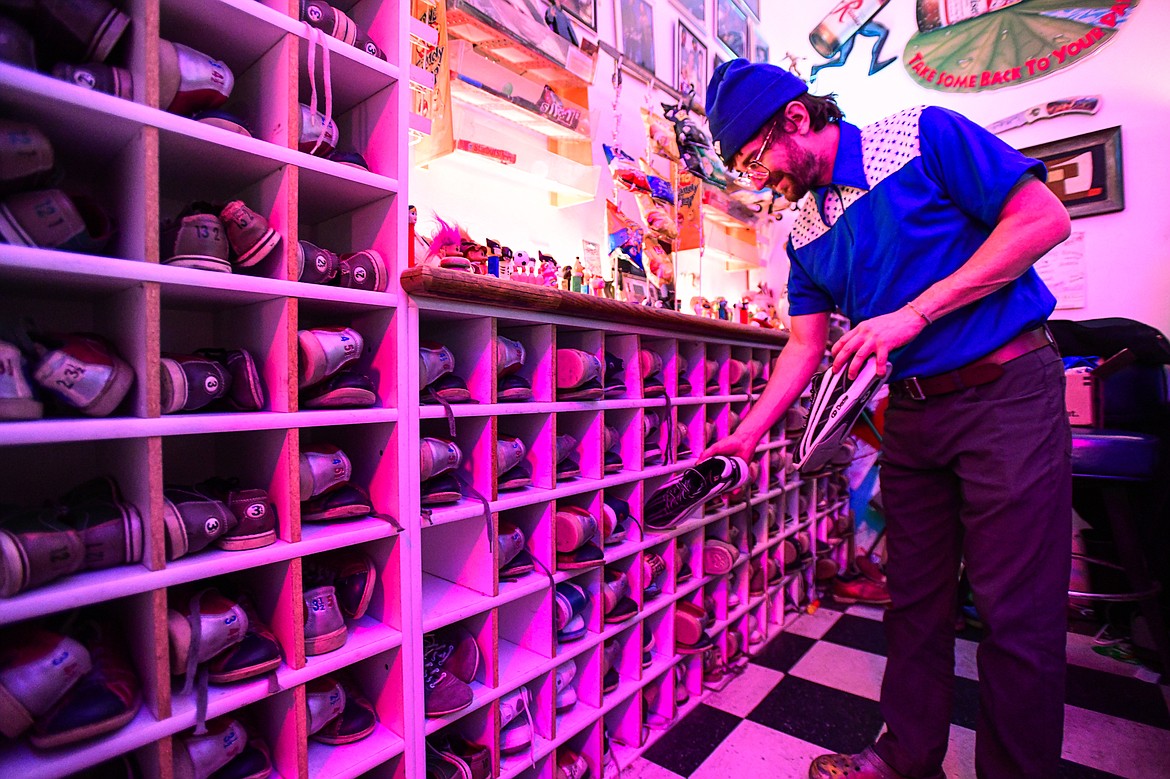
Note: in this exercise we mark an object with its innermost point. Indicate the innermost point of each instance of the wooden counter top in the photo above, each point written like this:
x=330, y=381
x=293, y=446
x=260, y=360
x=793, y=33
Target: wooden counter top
x=426, y=281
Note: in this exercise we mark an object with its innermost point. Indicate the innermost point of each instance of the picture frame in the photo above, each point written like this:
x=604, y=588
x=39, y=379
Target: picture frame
x=584, y=11
x=696, y=9
x=753, y=6
x=1085, y=171
x=638, y=33
x=760, y=49
x=634, y=289
x=691, y=61
x=731, y=27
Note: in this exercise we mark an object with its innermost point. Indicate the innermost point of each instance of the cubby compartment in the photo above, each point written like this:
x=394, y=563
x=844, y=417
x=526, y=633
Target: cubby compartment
x=83, y=345
x=581, y=434
x=525, y=454
x=43, y=475
x=621, y=662
x=329, y=220
x=586, y=681
x=223, y=379
x=525, y=637
x=535, y=524
x=621, y=353
x=223, y=174
x=364, y=94
x=460, y=671
x=591, y=613
x=122, y=642
x=531, y=379
x=471, y=343
x=578, y=532
x=624, y=437
x=375, y=687
x=458, y=568
x=448, y=495
x=690, y=369
x=377, y=357
x=228, y=502
x=103, y=165
x=657, y=429
x=623, y=502
x=527, y=718
x=716, y=372
x=658, y=367
x=568, y=373
x=739, y=370
x=250, y=632
x=339, y=500
x=254, y=49
x=623, y=722
x=690, y=432
x=582, y=746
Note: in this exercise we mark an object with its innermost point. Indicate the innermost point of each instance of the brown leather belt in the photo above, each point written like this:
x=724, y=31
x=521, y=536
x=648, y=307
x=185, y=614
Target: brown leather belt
x=985, y=370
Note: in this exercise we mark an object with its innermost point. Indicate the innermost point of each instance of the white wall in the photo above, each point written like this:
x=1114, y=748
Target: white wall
x=1128, y=252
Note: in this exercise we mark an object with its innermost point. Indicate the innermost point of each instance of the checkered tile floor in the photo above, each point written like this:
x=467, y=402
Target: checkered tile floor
x=814, y=689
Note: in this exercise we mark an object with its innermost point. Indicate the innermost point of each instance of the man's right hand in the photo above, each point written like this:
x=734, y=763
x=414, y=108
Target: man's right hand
x=739, y=444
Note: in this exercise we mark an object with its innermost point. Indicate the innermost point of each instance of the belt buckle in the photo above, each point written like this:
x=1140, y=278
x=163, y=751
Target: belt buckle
x=914, y=388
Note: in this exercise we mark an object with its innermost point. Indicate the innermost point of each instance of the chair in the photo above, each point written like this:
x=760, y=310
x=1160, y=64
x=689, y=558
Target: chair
x=1124, y=460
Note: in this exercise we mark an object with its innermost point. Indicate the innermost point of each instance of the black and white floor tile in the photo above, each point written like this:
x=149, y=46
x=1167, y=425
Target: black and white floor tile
x=814, y=689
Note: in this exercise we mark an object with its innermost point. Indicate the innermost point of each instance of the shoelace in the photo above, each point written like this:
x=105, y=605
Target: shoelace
x=194, y=677
x=317, y=40
x=525, y=698
x=474, y=494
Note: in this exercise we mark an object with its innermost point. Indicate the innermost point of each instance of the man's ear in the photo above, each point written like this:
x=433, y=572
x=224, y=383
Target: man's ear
x=796, y=114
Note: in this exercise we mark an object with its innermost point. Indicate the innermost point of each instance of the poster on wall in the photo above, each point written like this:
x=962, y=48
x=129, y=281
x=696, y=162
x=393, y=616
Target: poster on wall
x=990, y=44
x=1063, y=271
x=696, y=8
x=692, y=62
x=638, y=33
x=753, y=6
x=731, y=27
x=435, y=104
x=585, y=11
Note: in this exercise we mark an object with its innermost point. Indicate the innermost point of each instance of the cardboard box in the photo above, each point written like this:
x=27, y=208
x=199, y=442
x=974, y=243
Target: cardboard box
x=1084, y=390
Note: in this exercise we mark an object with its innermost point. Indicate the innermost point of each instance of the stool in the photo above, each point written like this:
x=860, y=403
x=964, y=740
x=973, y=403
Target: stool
x=1118, y=460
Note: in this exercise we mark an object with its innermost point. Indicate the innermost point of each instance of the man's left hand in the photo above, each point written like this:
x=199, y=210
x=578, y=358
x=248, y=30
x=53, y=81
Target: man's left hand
x=878, y=336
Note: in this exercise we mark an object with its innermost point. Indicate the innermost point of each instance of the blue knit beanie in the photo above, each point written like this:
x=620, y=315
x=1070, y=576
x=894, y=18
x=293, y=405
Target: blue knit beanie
x=742, y=97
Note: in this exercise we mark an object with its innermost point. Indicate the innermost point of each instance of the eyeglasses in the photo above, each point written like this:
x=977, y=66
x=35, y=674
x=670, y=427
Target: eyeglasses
x=754, y=169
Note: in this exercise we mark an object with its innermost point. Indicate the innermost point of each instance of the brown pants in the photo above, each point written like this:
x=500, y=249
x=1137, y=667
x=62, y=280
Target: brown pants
x=981, y=475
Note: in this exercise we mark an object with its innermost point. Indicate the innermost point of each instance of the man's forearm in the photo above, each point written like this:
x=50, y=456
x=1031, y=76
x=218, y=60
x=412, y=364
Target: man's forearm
x=794, y=367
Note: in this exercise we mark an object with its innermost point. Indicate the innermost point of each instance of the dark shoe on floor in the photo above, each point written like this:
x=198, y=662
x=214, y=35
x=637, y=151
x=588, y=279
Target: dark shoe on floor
x=864, y=765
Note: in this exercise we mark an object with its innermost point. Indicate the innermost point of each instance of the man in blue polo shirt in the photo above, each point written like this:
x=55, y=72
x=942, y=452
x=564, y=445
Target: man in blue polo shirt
x=922, y=229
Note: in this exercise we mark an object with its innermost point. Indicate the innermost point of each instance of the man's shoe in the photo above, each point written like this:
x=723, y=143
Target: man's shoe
x=196, y=238
x=16, y=396
x=193, y=521
x=248, y=233
x=108, y=79
x=694, y=487
x=95, y=24
x=191, y=81
x=36, y=547
x=364, y=270
x=109, y=527
x=864, y=765
x=84, y=372
x=837, y=403
x=862, y=590
x=324, y=351
x=316, y=265
x=52, y=219
x=348, y=388
x=246, y=386
x=322, y=466
x=37, y=668
x=254, y=512
x=438, y=455
x=188, y=382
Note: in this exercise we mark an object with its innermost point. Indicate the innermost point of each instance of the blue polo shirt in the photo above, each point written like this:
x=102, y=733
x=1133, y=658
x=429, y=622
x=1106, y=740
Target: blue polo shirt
x=912, y=197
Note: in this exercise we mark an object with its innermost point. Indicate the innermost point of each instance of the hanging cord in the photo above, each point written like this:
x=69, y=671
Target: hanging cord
x=616, y=81
x=317, y=39
x=474, y=494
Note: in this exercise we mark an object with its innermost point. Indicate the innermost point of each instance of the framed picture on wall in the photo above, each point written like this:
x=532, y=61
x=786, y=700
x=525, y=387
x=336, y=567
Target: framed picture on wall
x=584, y=11
x=760, y=49
x=638, y=33
x=1084, y=171
x=753, y=6
x=696, y=8
x=691, y=62
x=731, y=26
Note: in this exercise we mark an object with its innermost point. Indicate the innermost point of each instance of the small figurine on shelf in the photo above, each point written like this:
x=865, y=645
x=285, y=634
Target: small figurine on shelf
x=443, y=251
x=506, y=263
x=411, y=238
x=520, y=266
x=549, y=272
x=597, y=285
x=721, y=304
x=476, y=255
x=493, y=258
x=578, y=276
